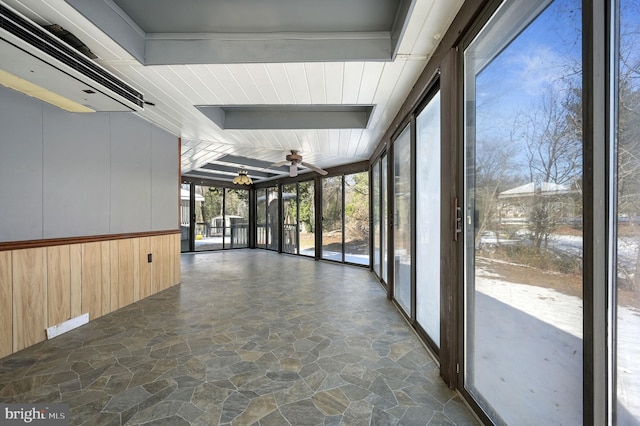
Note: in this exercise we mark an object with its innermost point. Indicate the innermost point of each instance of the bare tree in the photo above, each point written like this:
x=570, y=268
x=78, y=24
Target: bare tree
x=495, y=171
x=628, y=133
x=552, y=131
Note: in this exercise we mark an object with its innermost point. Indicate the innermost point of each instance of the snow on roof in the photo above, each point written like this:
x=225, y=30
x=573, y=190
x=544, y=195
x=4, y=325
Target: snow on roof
x=529, y=189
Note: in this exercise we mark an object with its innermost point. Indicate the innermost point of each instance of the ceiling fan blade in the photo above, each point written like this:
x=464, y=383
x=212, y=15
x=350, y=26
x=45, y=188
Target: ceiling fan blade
x=280, y=164
x=314, y=168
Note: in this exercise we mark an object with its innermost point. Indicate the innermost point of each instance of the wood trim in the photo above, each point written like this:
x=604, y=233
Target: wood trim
x=19, y=245
x=451, y=286
x=6, y=304
x=179, y=182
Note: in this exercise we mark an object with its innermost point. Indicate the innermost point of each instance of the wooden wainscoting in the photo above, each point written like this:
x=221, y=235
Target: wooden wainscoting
x=44, y=286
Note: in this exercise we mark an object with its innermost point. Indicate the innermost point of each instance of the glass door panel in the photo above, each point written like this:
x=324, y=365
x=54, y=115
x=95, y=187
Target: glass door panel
x=402, y=220
x=261, y=218
x=356, y=218
x=384, y=203
x=428, y=224
x=209, y=218
x=375, y=187
x=185, y=217
x=273, y=225
x=236, y=218
x=307, y=219
x=628, y=216
x=290, y=218
x=332, y=218
x=523, y=214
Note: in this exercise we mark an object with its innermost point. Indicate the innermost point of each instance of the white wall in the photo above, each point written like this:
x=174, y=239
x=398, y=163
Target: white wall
x=68, y=175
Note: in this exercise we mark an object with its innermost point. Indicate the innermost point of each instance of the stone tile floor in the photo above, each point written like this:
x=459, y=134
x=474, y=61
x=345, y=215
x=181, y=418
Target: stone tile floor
x=250, y=337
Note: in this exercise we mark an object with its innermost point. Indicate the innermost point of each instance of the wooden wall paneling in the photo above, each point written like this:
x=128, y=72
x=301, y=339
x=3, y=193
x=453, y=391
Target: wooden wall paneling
x=29, y=271
x=75, y=251
x=6, y=304
x=92, y=280
x=135, y=257
x=176, y=255
x=156, y=250
x=159, y=264
x=58, y=295
x=115, y=275
x=144, y=267
x=169, y=260
x=105, y=261
x=126, y=272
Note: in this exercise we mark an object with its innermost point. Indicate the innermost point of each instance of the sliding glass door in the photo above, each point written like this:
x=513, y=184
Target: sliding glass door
x=290, y=218
x=213, y=218
x=377, y=220
x=428, y=225
x=627, y=266
x=185, y=217
x=209, y=218
x=356, y=218
x=307, y=218
x=332, y=218
x=273, y=218
x=523, y=214
x=402, y=229
x=236, y=218
x=384, y=225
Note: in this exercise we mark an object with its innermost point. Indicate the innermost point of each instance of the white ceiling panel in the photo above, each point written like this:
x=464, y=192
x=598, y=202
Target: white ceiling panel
x=298, y=82
x=370, y=81
x=281, y=83
x=316, y=79
x=352, y=79
x=176, y=89
x=263, y=81
x=334, y=78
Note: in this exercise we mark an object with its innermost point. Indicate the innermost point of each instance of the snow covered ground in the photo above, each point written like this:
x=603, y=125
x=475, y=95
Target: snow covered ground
x=527, y=353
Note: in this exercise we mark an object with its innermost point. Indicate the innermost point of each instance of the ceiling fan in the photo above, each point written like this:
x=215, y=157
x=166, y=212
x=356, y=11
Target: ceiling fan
x=294, y=159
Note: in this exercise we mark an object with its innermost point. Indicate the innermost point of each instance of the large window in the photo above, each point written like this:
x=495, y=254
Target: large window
x=261, y=218
x=628, y=215
x=219, y=221
x=375, y=189
x=273, y=228
x=307, y=219
x=523, y=214
x=209, y=218
x=332, y=218
x=384, y=202
x=402, y=229
x=185, y=216
x=236, y=218
x=345, y=218
x=356, y=218
x=290, y=218
x=428, y=222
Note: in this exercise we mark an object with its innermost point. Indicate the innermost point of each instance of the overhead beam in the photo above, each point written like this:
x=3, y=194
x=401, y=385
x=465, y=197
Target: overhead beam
x=172, y=50
x=253, y=117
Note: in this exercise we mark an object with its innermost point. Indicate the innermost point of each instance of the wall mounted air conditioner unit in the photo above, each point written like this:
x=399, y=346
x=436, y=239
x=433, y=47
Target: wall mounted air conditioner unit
x=39, y=64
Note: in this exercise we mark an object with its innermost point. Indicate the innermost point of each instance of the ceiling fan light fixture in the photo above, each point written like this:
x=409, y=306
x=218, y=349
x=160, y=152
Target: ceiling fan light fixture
x=293, y=170
x=242, y=178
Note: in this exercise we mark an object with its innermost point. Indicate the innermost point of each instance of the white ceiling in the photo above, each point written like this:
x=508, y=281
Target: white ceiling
x=177, y=89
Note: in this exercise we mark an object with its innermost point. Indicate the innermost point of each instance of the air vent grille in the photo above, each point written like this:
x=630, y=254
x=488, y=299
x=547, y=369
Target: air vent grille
x=46, y=43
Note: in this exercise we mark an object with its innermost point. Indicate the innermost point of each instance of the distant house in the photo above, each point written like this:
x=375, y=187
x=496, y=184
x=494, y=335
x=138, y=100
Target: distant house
x=515, y=205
